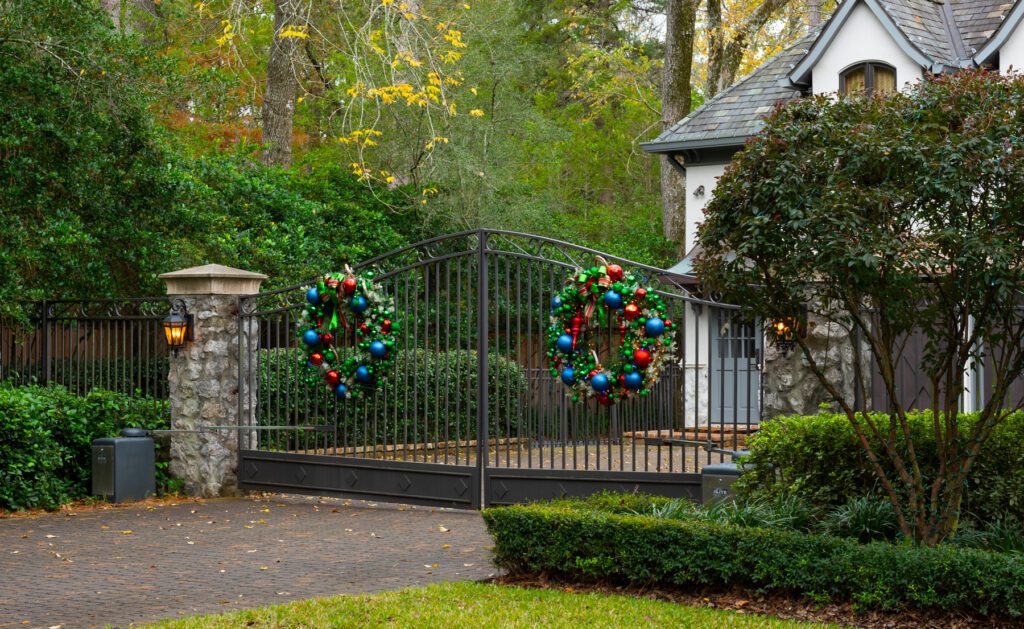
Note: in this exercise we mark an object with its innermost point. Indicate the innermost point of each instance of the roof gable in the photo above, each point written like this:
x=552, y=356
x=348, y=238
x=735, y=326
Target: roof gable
x=801, y=73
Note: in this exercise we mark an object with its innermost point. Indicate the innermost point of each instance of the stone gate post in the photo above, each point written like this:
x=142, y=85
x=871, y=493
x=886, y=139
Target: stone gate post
x=203, y=377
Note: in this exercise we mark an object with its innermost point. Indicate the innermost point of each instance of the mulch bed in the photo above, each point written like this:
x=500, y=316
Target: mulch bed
x=780, y=606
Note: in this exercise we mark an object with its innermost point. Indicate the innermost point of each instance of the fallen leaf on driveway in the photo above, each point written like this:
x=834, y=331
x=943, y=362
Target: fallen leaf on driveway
x=128, y=532
x=442, y=528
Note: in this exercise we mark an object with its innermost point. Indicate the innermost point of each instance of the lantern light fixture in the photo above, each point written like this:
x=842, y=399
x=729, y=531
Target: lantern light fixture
x=785, y=330
x=178, y=326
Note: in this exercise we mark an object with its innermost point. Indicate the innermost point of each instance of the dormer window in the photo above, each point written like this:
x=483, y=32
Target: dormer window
x=868, y=79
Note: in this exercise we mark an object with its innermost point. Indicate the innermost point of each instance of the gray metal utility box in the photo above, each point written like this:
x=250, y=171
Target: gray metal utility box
x=717, y=481
x=124, y=468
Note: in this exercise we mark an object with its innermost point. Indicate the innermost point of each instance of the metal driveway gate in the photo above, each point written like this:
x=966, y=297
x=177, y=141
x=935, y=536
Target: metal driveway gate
x=471, y=415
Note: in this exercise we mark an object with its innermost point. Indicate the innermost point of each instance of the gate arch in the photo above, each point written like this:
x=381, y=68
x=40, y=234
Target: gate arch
x=471, y=416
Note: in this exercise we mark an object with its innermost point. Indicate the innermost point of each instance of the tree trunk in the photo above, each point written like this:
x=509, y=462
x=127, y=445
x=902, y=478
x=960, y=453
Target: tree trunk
x=113, y=9
x=680, y=21
x=282, y=83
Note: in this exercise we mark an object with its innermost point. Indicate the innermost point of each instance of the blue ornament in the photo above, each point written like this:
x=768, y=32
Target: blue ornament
x=613, y=299
x=634, y=380
x=378, y=349
x=600, y=383
x=358, y=303
x=311, y=337
x=564, y=344
x=341, y=391
x=654, y=327
x=313, y=296
x=363, y=374
x=556, y=302
x=568, y=376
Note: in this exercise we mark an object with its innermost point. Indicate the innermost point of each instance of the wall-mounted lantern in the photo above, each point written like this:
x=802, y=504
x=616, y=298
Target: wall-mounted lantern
x=785, y=330
x=178, y=326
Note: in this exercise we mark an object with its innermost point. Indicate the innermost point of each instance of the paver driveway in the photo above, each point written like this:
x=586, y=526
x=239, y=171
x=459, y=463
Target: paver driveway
x=136, y=564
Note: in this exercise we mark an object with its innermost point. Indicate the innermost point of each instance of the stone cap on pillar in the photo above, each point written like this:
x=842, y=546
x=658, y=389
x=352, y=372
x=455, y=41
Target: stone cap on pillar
x=212, y=279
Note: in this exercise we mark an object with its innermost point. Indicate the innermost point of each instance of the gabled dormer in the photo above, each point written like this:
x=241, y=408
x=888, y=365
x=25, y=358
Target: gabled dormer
x=877, y=46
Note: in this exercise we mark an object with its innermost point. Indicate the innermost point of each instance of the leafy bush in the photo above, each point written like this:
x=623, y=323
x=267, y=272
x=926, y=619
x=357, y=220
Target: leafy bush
x=46, y=438
x=430, y=396
x=819, y=459
x=1004, y=536
x=598, y=539
x=864, y=518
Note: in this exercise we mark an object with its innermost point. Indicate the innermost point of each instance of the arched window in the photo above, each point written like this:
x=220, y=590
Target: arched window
x=868, y=79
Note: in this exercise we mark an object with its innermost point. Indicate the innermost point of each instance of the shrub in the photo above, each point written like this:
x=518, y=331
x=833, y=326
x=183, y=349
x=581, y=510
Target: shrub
x=864, y=518
x=46, y=438
x=430, y=396
x=818, y=458
x=597, y=540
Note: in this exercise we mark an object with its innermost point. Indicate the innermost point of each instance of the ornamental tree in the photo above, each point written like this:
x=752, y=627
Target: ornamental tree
x=890, y=217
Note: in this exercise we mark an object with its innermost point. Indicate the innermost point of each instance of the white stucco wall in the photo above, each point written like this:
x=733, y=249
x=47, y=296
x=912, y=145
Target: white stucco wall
x=698, y=175
x=862, y=38
x=1011, y=55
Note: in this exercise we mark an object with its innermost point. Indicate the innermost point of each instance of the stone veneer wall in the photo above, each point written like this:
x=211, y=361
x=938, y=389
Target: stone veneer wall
x=788, y=385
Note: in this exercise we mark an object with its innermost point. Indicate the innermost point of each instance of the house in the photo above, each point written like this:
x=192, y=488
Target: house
x=869, y=46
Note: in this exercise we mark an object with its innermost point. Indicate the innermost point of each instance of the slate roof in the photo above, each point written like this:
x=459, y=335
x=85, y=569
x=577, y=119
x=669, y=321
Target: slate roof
x=738, y=111
x=977, y=20
x=948, y=39
x=922, y=22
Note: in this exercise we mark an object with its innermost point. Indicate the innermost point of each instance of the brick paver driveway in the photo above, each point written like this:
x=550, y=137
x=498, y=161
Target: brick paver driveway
x=137, y=564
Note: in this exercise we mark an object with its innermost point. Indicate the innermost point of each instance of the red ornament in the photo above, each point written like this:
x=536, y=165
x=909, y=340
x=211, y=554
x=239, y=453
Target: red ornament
x=386, y=325
x=577, y=325
x=349, y=285
x=316, y=358
x=668, y=323
x=615, y=272
x=333, y=378
x=642, y=358
x=363, y=328
x=326, y=338
x=593, y=373
x=641, y=293
x=632, y=311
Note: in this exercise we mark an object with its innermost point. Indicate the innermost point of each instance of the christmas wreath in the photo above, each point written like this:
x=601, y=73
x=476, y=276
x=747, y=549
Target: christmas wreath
x=338, y=303
x=593, y=298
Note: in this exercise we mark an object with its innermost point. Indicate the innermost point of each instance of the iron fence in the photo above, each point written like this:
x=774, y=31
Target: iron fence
x=113, y=344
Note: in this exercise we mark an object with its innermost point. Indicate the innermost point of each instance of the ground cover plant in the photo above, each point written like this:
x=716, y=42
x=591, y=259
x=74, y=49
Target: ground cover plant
x=640, y=540
x=819, y=459
x=482, y=605
x=46, y=438
x=890, y=217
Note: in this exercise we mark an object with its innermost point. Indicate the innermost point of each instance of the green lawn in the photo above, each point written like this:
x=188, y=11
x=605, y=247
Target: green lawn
x=482, y=605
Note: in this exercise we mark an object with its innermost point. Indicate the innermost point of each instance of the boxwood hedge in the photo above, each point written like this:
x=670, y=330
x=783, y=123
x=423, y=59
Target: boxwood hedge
x=602, y=539
x=431, y=395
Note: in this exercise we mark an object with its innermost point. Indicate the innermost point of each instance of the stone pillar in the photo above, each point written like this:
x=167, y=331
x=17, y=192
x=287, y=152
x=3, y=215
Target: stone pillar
x=204, y=377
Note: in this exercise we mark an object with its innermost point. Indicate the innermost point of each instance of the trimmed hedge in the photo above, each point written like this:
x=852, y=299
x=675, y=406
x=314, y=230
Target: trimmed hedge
x=437, y=388
x=46, y=438
x=819, y=459
x=599, y=540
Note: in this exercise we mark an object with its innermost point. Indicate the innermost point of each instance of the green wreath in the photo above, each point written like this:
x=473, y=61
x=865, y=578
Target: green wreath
x=338, y=303
x=591, y=299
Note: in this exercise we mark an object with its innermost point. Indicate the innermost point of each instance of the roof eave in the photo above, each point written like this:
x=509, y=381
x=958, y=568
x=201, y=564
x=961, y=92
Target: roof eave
x=800, y=75
x=679, y=146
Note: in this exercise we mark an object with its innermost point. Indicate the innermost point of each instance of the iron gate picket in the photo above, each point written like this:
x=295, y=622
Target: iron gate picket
x=471, y=415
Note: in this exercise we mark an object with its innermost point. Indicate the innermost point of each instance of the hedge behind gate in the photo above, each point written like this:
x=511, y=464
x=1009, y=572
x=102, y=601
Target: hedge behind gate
x=428, y=394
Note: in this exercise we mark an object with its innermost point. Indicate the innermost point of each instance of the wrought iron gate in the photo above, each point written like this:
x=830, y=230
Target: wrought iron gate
x=471, y=415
